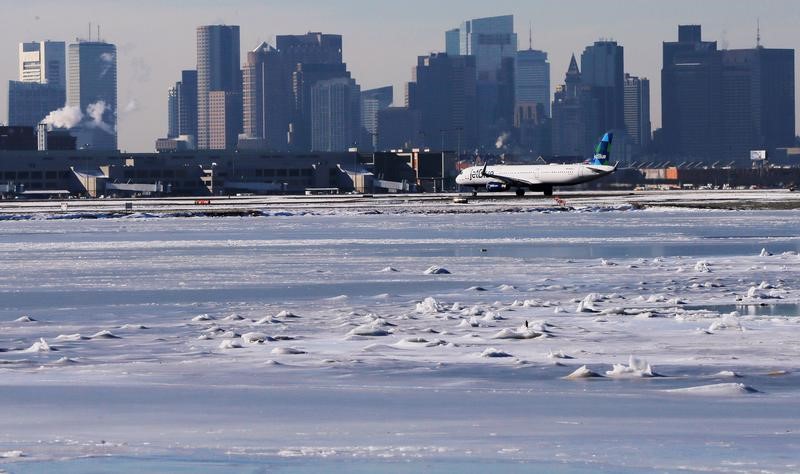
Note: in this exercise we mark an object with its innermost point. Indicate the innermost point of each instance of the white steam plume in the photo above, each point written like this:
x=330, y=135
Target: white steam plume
x=65, y=117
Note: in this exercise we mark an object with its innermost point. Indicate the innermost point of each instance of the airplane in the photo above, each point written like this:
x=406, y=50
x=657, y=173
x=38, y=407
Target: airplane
x=542, y=178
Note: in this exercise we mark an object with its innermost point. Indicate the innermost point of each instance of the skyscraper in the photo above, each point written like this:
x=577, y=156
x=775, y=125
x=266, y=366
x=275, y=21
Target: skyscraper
x=335, y=110
x=311, y=48
x=493, y=43
x=43, y=62
x=304, y=77
x=224, y=107
x=717, y=105
x=575, y=115
x=92, y=88
x=691, y=95
x=172, y=112
x=30, y=102
x=186, y=94
x=306, y=60
x=372, y=102
x=489, y=40
x=444, y=92
x=41, y=85
x=603, y=71
x=452, y=42
x=217, y=71
x=532, y=80
x=757, y=101
x=637, y=110
x=267, y=98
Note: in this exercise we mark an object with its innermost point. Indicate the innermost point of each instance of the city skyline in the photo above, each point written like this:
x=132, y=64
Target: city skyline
x=377, y=52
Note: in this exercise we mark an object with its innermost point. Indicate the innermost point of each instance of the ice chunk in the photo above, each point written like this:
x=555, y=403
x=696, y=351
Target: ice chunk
x=558, y=355
x=287, y=351
x=230, y=344
x=492, y=352
x=636, y=368
x=12, y=454
x=267, y=320
x=582, y=372
x=371, y=329
x=25, y=319
x=702, y=267
x=765, y=253
x=434, y=270
x=429, y=306
x=255, y=338
x=203, y=317
x=518, y=333
x=41, y=346
x=287, y=315
x=717, y=389
x=233, y=317
x=388, y=270
x=727, y=321
x=104, y=334
x=134, y=326
x=70, y=337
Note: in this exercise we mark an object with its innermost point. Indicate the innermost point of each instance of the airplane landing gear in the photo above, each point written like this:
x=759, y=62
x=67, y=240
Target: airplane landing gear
x=548, y=191
x=520, y=193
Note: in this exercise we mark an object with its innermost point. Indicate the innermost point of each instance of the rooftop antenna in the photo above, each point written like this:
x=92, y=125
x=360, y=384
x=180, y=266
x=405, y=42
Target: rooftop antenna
x=530, y=35
x=758, y=32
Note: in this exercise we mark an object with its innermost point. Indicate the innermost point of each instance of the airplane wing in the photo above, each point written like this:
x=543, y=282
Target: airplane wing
x=508, y=180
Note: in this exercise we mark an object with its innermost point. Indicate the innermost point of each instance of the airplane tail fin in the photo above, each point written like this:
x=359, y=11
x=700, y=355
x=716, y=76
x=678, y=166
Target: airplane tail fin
x=602, y=152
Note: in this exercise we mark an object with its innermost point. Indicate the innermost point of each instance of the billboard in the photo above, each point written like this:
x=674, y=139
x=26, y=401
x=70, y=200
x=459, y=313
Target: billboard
x=758, y=155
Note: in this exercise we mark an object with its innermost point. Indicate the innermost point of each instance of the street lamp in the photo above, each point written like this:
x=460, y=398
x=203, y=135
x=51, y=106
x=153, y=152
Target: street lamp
x=213, y=166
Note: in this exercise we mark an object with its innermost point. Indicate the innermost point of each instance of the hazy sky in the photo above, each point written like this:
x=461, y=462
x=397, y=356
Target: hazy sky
x=382, y=38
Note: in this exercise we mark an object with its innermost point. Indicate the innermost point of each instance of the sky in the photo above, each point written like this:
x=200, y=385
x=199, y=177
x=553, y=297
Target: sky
x=382, y=38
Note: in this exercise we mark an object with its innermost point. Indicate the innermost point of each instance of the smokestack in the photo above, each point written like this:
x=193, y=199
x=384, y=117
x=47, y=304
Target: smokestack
x=41, y=136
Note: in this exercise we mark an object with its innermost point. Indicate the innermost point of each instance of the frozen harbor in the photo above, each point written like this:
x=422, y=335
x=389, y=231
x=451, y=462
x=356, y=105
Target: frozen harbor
x=600, y=339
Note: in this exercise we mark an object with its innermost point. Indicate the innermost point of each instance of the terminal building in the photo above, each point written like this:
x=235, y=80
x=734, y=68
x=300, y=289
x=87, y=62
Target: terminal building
x=27, y=171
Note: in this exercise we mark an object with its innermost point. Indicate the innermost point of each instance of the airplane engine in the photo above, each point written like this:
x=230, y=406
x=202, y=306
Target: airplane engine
x=496, y=187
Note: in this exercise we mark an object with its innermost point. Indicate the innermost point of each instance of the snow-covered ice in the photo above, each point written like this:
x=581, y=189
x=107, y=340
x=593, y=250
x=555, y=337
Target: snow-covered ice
x=562, y=341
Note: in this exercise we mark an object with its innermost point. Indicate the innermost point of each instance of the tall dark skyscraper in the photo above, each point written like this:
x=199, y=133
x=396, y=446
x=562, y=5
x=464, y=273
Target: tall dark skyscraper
x=217, y=71
x=637, y=110
x=717, y=105
x=603, y=71
x=311, y=48
x=691, y=95
x=306, y=60
x=444, y=92
x=267, y=98
x=757, y=101
x=182, y=107
x=30, y=102
x=493, y=43
x=92, y=88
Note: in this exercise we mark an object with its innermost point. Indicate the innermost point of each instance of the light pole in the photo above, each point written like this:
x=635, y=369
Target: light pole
x=213, y=166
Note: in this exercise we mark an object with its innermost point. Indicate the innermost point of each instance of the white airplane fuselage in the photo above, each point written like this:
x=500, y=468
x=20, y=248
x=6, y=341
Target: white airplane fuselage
x=531, y=177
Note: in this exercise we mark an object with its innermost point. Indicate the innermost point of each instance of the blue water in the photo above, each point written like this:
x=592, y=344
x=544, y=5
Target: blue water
x=125, y=465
